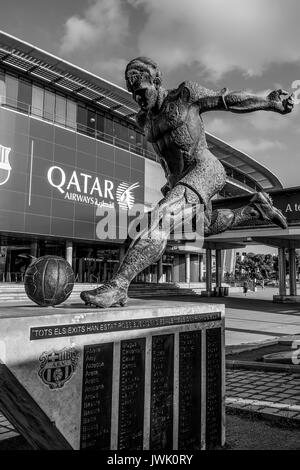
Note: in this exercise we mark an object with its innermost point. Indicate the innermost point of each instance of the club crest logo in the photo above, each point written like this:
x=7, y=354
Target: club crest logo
x=125, y=196
x=5, y=167
x=57, y=367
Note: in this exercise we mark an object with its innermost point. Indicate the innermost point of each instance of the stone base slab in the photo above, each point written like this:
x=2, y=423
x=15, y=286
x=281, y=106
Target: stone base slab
x=146, y=376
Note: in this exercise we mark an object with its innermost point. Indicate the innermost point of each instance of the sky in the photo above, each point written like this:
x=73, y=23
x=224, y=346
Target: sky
x=251, y=45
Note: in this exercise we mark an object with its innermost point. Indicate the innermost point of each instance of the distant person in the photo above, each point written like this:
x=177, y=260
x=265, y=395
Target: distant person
x=245, y=287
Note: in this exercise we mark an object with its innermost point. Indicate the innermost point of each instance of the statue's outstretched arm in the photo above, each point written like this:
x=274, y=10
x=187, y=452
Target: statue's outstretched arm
x=278, y=101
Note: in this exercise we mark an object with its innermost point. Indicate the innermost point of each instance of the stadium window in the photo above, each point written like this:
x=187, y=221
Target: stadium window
x=99, y=125
x=108, y=128
x=121, y=134
x=91, y=122
x=24, y=95
x=124, y=132
x=139, y=143
x=82, y=119
x=60, y=109
x=132, y=136
x=139, y=139
x=11, y=90
x=49, y=105
x=71, y=114
x=37, y=105
x=2, y=87
x=133, y=139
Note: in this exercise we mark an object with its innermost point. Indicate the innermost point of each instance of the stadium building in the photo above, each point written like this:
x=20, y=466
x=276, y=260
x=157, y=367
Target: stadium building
x=69, y=144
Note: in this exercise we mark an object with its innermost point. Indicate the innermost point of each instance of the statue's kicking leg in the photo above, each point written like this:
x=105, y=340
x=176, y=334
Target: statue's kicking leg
x=146, y=249
x=259, y=208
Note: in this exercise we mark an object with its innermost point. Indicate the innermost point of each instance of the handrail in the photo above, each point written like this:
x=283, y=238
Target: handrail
x=91, y=132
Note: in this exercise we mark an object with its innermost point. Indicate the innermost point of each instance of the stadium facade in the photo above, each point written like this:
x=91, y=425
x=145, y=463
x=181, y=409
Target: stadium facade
x=69, y=144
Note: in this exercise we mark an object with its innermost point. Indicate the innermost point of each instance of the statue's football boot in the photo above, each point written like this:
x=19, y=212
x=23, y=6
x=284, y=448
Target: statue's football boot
x=262, y=202
x=110, y=294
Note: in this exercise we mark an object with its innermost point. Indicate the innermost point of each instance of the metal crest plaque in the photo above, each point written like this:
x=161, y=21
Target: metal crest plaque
x=57, y=367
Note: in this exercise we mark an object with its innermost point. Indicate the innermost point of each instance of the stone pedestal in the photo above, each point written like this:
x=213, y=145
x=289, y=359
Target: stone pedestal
x=145, y=377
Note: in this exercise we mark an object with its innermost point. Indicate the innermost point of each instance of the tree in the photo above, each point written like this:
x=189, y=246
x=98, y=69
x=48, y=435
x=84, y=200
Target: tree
x=255, y=266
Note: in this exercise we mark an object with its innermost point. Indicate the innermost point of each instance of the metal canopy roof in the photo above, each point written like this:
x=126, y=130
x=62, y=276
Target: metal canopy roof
x=52, y=70
x=239, y=160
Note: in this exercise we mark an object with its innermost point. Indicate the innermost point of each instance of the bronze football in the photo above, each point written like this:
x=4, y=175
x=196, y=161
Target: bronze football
x=49, y=280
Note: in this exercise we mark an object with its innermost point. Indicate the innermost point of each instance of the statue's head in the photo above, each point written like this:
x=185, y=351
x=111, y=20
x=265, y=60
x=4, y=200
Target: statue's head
x=143, y=80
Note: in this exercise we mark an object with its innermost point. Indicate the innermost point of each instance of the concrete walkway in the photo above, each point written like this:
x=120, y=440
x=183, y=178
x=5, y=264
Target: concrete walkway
x=255, y=318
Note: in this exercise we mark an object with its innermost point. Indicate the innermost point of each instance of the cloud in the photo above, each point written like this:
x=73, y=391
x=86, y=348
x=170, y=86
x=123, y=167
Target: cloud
x=215, y=36
x=249, y=35
x=259, y=146
x=265, y=121
x=95, y=39
x=218, y=126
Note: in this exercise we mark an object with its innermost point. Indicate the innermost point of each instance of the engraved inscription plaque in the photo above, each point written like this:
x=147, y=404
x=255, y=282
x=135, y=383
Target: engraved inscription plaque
x=96, y=397
x=213, y=387
x=131, y=397
x=162, y=376
x=189, y=431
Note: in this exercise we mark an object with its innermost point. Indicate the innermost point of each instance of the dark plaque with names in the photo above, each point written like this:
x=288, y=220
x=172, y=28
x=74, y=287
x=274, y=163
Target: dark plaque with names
x=213, y=387
x=131, y=397
x=189, y=431
x=96, y=397
x=162, y=377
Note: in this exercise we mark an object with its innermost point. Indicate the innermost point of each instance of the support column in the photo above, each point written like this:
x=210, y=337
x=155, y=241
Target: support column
x=187, y=268
x=160, y=270
x=176, y=277
x=34, y=249
x=293, y=273
x=282, y=271
x=172, y=273
x=194, y=268
x=219, y=268
x=208, y=270
x=69, y=251
x=201, y=267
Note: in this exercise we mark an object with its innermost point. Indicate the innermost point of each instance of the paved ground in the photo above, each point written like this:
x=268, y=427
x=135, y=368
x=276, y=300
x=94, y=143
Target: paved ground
x=255, y=318
x=272, y=394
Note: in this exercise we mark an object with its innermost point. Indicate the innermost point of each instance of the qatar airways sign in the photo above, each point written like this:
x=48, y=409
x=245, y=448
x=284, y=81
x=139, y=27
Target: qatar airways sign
x=88, y=189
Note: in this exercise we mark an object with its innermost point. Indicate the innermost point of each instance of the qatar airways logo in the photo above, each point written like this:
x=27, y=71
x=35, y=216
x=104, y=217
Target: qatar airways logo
x=124, y=195
x=5, y=167
x=82, y=187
